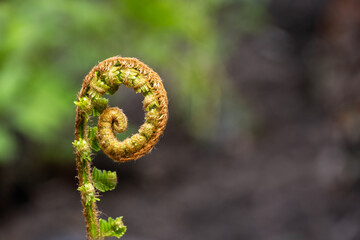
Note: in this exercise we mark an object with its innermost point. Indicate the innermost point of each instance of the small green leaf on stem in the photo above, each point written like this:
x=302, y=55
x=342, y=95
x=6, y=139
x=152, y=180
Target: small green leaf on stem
x=82, y=148
x=104, y=180
x=94, y=143
x=112, y=227
x=89, y=191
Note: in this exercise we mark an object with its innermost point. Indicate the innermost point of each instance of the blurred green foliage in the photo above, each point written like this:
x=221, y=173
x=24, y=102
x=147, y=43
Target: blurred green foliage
x=47, y=47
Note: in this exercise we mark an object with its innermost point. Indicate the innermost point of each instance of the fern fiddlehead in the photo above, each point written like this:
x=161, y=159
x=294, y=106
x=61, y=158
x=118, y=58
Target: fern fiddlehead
x=105, y=78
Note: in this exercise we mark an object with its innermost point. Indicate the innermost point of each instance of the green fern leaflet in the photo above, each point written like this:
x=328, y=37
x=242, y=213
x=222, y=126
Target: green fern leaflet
x=104, y=180
x=112, y=227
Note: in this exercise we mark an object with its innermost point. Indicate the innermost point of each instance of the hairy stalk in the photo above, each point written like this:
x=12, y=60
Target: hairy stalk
x=105, y=78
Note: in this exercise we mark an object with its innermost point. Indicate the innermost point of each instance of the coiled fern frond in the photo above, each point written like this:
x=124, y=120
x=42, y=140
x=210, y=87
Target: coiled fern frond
x=103, y=79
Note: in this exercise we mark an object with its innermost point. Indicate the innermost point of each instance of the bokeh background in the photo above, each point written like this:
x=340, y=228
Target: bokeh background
x=263, y=140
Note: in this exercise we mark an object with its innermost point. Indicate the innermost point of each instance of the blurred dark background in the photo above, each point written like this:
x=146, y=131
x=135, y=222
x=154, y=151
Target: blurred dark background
x=263, y=140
